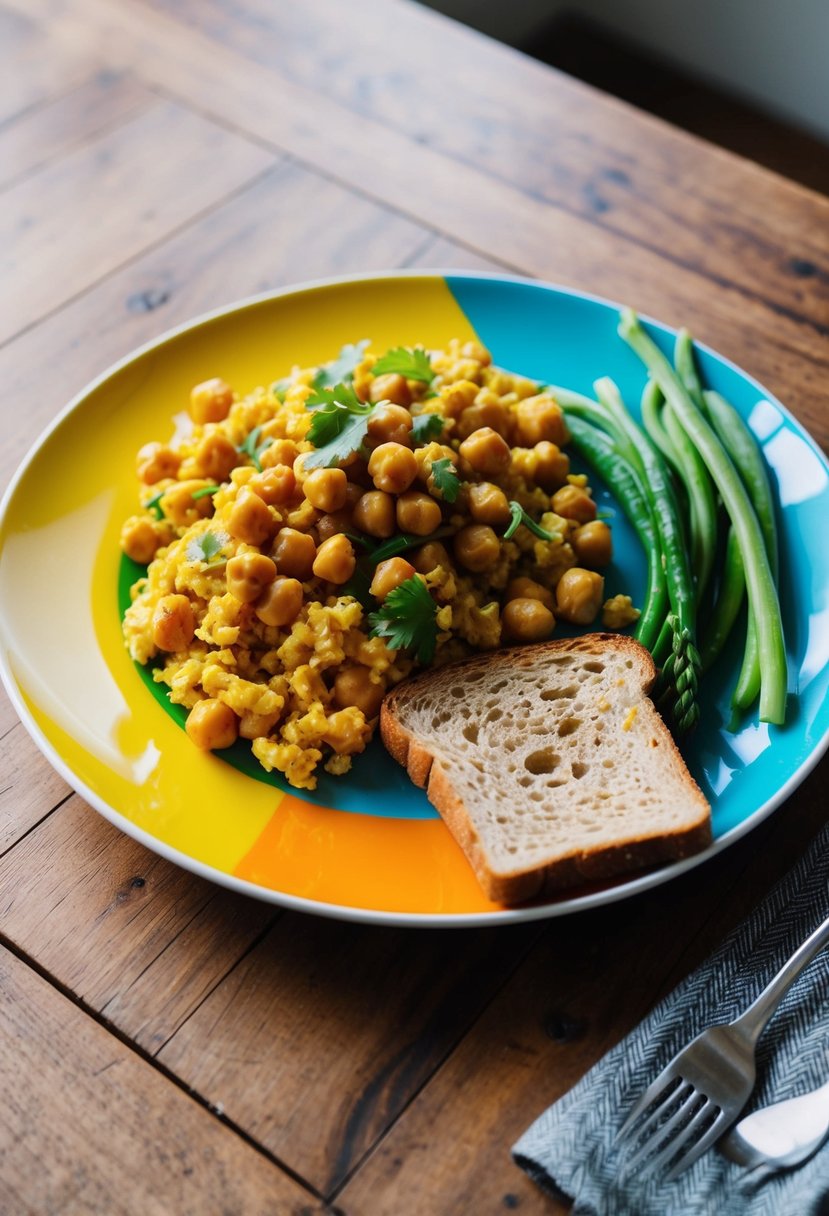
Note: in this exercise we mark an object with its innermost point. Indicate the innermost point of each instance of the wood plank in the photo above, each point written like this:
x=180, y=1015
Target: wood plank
x=560, y=140
x=87, y=1127
x=322, y=1035
x=29, y=787
x=50, y=130
x=135, y=937
x=289, y=225
x=38, y=65
x=570, y=1001
x=79, y=217
x=466, y=202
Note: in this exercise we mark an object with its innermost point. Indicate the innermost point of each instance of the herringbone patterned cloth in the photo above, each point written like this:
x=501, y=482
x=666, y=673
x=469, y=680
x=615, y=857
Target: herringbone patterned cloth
x=570, y=1148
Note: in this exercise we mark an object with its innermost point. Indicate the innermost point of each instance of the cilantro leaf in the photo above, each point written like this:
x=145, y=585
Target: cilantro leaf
x=408, y=619
x=343, y=367
x=338, y=394
x=280, y=387
x=204, y=491
x=253, y=448
x=207, y=547
x=154, y=504
x=445, y=479
x=520, y=516
x=338, y=428
x=413, y=364
x=426, y=427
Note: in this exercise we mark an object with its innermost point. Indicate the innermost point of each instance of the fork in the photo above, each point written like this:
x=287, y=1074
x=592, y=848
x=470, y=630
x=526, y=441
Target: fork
x=705, y=1086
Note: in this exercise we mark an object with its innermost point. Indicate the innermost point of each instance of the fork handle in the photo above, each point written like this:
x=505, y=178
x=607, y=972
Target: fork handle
x=753, y=1022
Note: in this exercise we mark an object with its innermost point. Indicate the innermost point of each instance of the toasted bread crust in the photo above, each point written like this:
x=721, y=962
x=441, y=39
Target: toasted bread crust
x=581, y=865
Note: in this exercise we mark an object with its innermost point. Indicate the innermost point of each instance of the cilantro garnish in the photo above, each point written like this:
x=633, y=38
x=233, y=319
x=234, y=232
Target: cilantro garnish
x=445, y=479
x=280, y=387
x=408, y=619
x=426, y=427
x=339, y=426
x=253, y=448
x=207, y=548
x=413, y=364
x=154, y=504
x=520, y=516
x=341, y=369
x=204, y=491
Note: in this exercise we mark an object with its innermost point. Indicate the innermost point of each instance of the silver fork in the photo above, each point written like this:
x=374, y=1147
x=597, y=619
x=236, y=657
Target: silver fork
x=705, y=1086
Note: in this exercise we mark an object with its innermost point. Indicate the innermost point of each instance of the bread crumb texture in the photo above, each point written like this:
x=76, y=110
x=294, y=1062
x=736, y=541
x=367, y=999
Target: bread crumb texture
x=558, y=765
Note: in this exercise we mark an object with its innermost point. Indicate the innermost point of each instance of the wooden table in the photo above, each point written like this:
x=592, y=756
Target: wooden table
x=168, y=1047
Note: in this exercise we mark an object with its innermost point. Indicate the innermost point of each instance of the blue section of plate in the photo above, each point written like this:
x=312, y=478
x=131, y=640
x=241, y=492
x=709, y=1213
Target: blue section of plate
x=563, y=337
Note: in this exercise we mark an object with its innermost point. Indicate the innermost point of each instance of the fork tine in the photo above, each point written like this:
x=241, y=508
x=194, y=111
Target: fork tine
x=702, y=1145
x=660, y=1132
x=675, y=1144
x=657, y=1089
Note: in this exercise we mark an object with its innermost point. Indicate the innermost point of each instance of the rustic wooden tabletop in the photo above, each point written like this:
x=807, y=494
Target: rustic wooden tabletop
x=167, y=1046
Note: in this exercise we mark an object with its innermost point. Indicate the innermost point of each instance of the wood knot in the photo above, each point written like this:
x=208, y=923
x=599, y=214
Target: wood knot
x=563, y=1028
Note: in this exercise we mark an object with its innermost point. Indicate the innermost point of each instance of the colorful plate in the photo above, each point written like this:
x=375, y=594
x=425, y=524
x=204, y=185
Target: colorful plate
x=368, y=847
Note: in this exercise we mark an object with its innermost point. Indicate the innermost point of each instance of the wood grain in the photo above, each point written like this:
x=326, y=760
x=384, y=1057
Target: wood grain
x=553, y=136
x=288, y=225
x=570, y=1001
x=48, y=131
x=462, y=200
x=39, y=65
x=30, y=787
x=324, y=1033
x=87, y=1127
x=71, y=222
x=133, y=936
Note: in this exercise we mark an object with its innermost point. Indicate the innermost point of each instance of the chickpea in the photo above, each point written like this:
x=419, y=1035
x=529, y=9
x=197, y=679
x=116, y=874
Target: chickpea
x=375, y=514
x=489, y=413
x=477, y=547
x=139, y=539
x=280, y=603
x=539, y=418
x=332, y=523
x=428, y=557
x=215, y=457
x=390, y=424
x=155, y=461
x=353, y=494
x=326, y=489
x=354, y=686
x=417, y=513
x=526, y=620
x=392, y=467
x=173, y=623
x=294, y=553
x=488, y=504
x=529, y=589
x=390, y=387
x=335, y=560
x=579, y=595
x=250, y=519
x=212, y=725
x=458, y=397
x=486, y=451
x=281, y=451
x=592, y=543
x=181, y=508
x=275, y=486
x=478, y=352
x=390, y=574
x=210, y=401
x=551, y=465
x=574, y=503
x=248, y=574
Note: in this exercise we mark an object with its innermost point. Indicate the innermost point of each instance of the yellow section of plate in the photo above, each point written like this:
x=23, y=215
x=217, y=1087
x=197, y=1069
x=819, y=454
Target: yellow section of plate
x=58, y=580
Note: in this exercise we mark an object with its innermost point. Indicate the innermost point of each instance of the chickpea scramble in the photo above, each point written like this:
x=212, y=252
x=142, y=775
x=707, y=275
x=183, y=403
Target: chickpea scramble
x=310, y=544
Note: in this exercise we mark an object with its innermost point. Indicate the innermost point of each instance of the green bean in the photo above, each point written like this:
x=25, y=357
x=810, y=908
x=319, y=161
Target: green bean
x=652, y=421
x=701, y=501
x=759, y=580
x=728, y=603
x=686, y=369
x=599, y=452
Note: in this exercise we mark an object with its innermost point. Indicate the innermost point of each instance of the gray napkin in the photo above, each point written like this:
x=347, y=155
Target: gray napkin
x=569, y=1149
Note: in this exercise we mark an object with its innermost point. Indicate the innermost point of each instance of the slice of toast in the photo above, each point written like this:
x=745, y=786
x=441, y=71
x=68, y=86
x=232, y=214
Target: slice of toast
x=549, y=764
